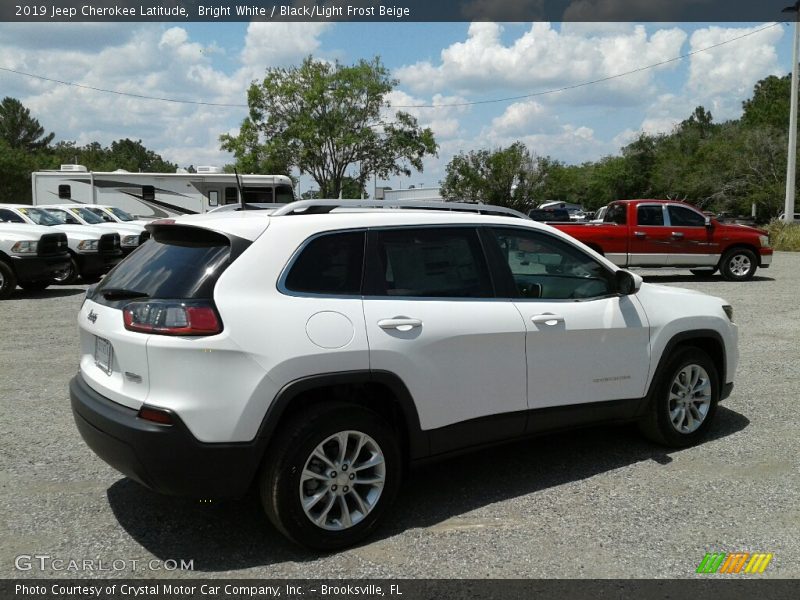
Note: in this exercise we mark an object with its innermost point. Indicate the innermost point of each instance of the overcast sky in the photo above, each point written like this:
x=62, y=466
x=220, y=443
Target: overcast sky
x=437, y=64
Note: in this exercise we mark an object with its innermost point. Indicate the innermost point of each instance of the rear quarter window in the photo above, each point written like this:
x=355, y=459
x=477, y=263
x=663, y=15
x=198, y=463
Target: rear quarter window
x=176, y=263
x=329, y=264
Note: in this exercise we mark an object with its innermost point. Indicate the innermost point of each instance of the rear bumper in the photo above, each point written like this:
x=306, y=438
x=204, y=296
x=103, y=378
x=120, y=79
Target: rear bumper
x=97, y=263
x=39, y=268
x=165, y=458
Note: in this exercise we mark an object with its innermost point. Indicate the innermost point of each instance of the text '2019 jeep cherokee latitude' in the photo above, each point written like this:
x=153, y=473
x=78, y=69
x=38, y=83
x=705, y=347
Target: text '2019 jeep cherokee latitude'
x=318, y=355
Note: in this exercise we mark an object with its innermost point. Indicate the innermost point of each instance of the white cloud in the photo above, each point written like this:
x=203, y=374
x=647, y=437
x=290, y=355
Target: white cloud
x=544, y=57
x=522, y=116
x=441, y=113
x=720, y=78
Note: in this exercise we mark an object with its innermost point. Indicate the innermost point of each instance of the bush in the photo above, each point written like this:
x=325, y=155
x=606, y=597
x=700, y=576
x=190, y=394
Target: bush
x=784, y=236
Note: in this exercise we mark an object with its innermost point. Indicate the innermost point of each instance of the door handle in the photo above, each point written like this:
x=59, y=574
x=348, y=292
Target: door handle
x=677, y=234
x=640, y=234
x=400, y=323
x=547, y=319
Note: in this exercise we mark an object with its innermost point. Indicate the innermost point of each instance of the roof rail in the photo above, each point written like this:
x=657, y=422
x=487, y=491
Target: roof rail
x=315, y=207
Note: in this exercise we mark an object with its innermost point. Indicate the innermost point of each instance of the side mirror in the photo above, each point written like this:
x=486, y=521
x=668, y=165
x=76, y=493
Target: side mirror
x=626, y=282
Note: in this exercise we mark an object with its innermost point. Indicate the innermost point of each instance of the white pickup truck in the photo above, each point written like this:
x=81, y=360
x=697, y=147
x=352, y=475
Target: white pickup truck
x=30, y=256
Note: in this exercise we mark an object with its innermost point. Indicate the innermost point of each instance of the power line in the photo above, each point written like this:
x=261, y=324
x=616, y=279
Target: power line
x=449, y=105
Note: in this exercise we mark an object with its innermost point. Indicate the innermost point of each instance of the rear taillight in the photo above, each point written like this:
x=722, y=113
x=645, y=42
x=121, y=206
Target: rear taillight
x=172, y=317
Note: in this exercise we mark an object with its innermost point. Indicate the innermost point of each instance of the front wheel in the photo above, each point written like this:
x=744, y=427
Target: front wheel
x=68, y=274
x=7, y=281
x=329, y=478
x=683, y=399
x=738, y=264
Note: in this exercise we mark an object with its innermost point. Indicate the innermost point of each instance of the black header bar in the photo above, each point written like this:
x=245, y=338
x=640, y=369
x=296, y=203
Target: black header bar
x=396, y=10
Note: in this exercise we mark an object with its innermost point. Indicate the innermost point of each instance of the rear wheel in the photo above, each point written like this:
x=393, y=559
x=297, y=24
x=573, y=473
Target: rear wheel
x=683, y=399
x=331, y=475
x=68, y=274
x=738, y=264
x=8, y=281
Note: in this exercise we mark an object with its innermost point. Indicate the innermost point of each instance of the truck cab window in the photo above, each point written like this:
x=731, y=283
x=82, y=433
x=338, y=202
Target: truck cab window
x=617, y=213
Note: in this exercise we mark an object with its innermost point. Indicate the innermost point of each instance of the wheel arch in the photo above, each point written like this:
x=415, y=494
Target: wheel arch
x=364, y=388
x=734, y=246
x=709, y=341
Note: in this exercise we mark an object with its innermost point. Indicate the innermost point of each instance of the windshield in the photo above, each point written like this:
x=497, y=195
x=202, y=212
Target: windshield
x=101, y=213
x=86, y=215
x=58, y=214
x=40, y=217
x=120, y=214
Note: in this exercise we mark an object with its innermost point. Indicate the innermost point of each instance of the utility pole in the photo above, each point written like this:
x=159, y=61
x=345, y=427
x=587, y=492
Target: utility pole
x=791, y=164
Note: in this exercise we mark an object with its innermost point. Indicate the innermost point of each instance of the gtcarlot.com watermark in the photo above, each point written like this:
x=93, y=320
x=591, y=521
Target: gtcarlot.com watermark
x=47, y=563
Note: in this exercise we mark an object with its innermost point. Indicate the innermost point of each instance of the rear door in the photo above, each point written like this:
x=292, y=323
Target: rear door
x=650, y=241
x=433, y=319
x=182, y=263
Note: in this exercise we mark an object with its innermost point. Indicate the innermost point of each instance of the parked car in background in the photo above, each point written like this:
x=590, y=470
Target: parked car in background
x=663, y=233
x=114, y=214
x=550, y=215
x=131, y=235
x=30, y=256
x=600, y=215
x=315, y=354
x=93, y=250
x=796, y=218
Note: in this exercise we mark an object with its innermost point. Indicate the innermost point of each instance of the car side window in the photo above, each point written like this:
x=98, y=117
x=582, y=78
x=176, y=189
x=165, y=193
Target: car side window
x=649, y=215
x=9, y=216
x=446, y=262
x=616, y=213
x=680, y=216
x=329, y=264
x=545, y=267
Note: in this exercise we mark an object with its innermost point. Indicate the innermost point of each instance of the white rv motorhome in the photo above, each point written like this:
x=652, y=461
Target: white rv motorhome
x=156, y=195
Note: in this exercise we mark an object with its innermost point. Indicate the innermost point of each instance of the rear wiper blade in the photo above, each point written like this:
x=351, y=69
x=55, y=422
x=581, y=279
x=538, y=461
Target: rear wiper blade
x=120, y=293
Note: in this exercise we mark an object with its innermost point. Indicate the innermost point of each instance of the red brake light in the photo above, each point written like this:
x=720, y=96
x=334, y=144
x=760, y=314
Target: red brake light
x=172, y=317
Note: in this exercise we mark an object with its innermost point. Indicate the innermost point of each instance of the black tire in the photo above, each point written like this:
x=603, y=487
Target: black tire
x=702, y=273
x=286, y=459
x=738, y=264
x=35, y=286
x=657, y=424
x=8, y=281
x=69, y=275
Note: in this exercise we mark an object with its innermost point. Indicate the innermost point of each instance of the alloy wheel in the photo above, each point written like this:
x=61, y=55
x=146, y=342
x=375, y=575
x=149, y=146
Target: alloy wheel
x=689, y=398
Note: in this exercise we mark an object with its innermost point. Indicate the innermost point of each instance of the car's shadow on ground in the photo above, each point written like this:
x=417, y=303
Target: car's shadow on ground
x=687, y=278
x=237, y=535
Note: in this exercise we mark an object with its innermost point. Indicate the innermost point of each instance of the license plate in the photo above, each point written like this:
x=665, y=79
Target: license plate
x=103, y=355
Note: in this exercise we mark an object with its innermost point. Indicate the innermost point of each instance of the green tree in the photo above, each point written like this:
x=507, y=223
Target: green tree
x=321, y=118
x=19, y=129
x=769, y=106
x=16, y=166
x=509, y=177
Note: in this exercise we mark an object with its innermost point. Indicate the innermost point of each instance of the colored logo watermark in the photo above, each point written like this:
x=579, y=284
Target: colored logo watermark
x=734, y=562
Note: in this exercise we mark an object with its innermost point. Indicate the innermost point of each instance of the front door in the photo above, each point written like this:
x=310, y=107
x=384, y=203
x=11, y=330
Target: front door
x=694, y=243
x=584, y=342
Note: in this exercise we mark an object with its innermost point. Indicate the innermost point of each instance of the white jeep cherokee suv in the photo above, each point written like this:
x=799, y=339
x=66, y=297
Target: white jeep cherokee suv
x=318, y=353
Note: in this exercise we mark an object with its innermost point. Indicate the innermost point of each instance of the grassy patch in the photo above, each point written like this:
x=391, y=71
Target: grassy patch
x=784, y=236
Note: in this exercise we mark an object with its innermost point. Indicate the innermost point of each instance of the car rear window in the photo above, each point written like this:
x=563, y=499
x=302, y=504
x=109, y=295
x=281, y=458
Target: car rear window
x=177, y=262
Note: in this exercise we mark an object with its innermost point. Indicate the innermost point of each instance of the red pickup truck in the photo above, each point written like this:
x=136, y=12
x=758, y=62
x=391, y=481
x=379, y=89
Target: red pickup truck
x=662, y=233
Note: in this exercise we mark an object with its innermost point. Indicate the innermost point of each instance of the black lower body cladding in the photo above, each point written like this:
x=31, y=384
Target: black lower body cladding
x=166, y=459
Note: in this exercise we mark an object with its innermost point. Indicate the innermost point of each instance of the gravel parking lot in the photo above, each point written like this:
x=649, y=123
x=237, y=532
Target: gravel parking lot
x=597, y=503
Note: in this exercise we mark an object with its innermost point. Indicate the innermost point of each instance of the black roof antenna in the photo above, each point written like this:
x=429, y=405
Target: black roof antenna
x=241, y=191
